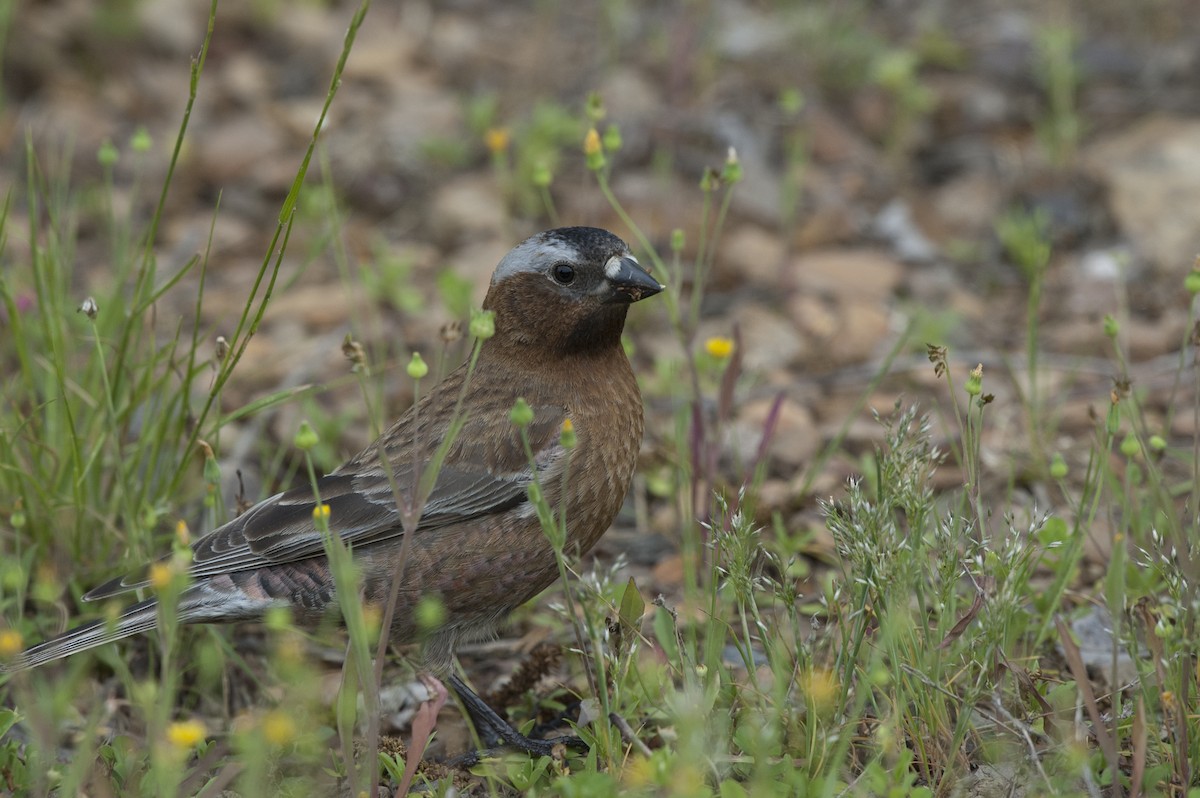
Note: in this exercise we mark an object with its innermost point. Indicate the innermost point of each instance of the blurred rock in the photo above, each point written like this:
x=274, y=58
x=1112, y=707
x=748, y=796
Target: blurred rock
x=1152, y=174
x=468, y=208
x=846, y=273
x=751, y=252
x=895, y=224
x=792, y=443
x=769, y=341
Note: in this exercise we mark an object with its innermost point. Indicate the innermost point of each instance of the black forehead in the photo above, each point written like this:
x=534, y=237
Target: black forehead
x=591, y=243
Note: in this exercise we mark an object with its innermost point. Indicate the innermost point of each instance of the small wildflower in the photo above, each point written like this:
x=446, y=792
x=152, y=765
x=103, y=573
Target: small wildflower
x=483, y=324
x=186, y=734
x=278, y=728
x=11, y=643
x=1158, y=443
x=161, y=575
x=417, y=367
x=521, y=414
x=321, y=512
x=107, y=154
x=709, y=181
x=593, y=150
x=89, y=308
x=732, y=172
x=353, y=351
x=141, y=141
x=183, y=535
x=719, y=347
x=937, y=356
x=1058, y=466
x=496, y=140
x=974, y=384
x=612, y=138
x=567, y=436
x=221, y=348
x=17, y=519
x=820, y=688
x=306, y=437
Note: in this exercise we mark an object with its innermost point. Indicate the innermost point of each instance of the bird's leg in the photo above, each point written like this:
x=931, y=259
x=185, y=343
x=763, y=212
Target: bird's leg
x=495, y=732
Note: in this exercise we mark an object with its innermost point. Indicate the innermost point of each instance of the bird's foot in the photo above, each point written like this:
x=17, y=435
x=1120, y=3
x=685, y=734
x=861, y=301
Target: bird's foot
x=496, y=734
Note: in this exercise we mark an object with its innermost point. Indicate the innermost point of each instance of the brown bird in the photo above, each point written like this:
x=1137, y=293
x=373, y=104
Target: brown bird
x=560, y=300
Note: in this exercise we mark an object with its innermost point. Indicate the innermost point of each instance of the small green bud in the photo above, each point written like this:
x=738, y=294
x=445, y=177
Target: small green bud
x=1111, y=326
x=18, y=520
x=431, y=612
x=1130, y=446
x=542, y=177
x=974, y=385
x=278, y=619
x=1192, y=281
x=535, y=493
x=141, y=141
x=521, y=414
x=612, y=138
x=107, y=155
x=1058, y=466
x=732, y=173
x=483, y=324
x=1113, y=421
x=567, y=436
x=1157, y=443
x=306, y=437
x=594, y=108
x=709, y=181
x=791, y=101
x=212, y=470
x=417, y=367
x=677, y=240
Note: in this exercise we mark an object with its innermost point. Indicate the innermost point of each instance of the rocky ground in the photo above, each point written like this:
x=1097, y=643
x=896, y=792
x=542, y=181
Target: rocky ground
x=867, y=209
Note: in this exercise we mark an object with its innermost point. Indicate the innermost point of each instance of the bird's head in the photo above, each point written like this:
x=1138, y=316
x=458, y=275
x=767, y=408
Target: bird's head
x=567, y=290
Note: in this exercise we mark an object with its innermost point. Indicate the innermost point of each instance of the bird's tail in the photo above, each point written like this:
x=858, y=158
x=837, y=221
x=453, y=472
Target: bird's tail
x=137, y=618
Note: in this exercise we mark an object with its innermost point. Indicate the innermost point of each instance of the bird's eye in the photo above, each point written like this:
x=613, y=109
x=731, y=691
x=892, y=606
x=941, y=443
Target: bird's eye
x=564, y=273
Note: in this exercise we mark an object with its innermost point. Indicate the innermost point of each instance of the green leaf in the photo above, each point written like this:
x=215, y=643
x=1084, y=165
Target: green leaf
x=632, y=606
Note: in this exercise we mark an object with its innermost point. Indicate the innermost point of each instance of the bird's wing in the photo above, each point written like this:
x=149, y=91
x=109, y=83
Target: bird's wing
x=475, y=480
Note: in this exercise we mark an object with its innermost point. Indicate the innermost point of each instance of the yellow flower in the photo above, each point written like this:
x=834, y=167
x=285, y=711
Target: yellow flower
x=278, y=728
x=719, y=347
x=496, y=140
x=10, y=643
x=182, y=533
x=185, y=734
x=321, y=512
x=161, y=574
x=820, y=688
x=591, y=142
x=567, y=436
